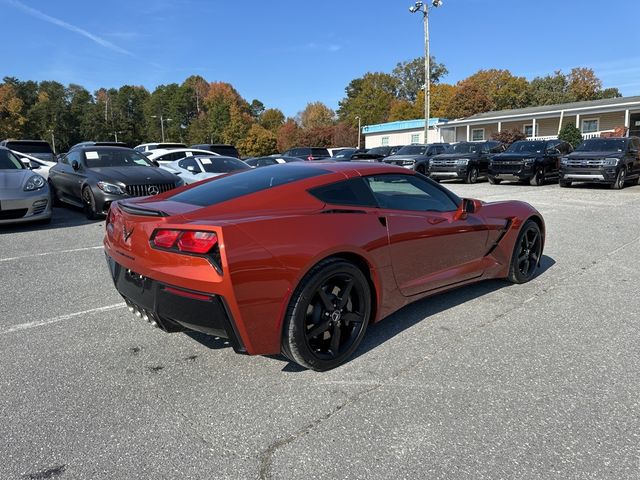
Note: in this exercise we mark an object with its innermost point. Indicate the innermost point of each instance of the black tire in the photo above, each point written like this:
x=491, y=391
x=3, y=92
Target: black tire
x=55, y=201
x=472, y=175
x=421, y=169
x=635, y=181
x=89, y=203
x=322, y=327
x=493, y=180
x=565, y=183
x=620, y=179
x=527, y=252
x=538, y=179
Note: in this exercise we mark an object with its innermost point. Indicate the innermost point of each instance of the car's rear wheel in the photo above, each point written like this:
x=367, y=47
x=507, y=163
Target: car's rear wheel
x=472, y=175
x=526, y=253
x=538, y=179
x=620, y=179
x=328, y=315
x=89, y=203
x=494, y=180
x=421, y=169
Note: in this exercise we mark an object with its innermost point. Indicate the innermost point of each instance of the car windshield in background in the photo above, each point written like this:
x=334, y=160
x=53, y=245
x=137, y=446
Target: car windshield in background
x=30, y=147
x=526, y=147
x=222, y=164
x=412, y=150
x=115, y=158
x=345, y=152
x=8, y=161
x=245, y=183
x=379, y=151
x=320, y=152
x=602, y=145
x=463, y=148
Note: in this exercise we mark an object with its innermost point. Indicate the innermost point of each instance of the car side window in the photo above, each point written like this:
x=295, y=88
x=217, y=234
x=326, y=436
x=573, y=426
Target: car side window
x=71, y=156
x=353, y=192
x=190, y=162
x=410, y=193
x=265, y=162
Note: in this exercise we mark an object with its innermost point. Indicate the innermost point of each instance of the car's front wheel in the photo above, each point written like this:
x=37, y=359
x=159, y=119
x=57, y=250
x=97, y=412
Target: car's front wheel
x=527, y=252
x=472, y=175
x=494, y=180
x=538, y=179
x=328, y=315
x=89, y=203
x=620, y=179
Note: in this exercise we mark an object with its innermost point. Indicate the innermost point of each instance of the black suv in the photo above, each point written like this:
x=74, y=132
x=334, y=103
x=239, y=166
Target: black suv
x=613, y=160
x=416, y=157
x=385, y=151
x=465, y=160
x=308, y=153
x=529, y=161
x=35, y=148
x=219, y=148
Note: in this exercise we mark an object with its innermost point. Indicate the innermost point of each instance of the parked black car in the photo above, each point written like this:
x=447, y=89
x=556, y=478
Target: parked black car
x=272, y=160
x=308, y=153
x=35, y=148
x=417, y=157
x=614, y=161
x=94, y=176
x=467, y=160
x=529, y=161
x=219, y=148
x=385, y=151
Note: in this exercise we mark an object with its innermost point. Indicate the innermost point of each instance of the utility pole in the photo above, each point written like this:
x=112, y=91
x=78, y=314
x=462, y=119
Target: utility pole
x=359, y=131
x=427, y=74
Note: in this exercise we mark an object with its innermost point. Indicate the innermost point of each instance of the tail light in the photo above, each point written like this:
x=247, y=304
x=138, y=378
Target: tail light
x=310, y=157
x=189, y=242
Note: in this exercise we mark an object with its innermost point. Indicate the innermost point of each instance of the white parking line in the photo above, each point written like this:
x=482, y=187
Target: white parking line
x=9, y=259
x=61, y=318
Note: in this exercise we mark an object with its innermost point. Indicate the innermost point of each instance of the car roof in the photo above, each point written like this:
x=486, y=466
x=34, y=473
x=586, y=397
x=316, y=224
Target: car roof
x=162, y=151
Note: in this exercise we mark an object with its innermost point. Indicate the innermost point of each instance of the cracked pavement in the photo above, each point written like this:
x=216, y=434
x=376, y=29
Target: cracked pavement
x=489, y=381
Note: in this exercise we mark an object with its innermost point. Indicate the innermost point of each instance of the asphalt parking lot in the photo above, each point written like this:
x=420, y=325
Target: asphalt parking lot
x=491, y=381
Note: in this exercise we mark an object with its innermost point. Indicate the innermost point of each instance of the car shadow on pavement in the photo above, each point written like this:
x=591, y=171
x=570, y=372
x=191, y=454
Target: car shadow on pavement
x=62, y=217
x=421, y=310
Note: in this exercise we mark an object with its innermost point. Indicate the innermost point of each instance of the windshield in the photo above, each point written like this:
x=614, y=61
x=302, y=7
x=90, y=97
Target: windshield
x=115, y=158
x=345, y=152
x=463, y=148
x=524, y=146
x=222, y=164
x=412, y=150
x=30, y=147
x=379, y=151
x=603, y=145
x=8, y=161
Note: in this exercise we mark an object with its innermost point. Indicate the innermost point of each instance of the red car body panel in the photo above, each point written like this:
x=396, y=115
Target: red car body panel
x=270, y=239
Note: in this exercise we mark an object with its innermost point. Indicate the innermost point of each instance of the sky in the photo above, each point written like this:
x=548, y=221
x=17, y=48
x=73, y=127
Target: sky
x=289, y=53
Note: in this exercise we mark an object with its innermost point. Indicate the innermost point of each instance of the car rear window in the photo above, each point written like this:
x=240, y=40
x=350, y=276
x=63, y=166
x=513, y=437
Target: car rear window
x=29, y=147
x=245, y=183
x=320, y=152
x=222, y=164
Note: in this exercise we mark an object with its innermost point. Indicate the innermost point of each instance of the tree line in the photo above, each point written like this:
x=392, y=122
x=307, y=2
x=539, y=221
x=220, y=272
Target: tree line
x=199, y=111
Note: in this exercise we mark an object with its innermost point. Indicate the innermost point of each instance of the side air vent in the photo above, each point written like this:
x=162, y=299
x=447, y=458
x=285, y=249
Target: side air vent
x=143, y=212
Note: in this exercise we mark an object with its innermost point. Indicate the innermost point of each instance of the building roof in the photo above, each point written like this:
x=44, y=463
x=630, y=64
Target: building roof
x=402, y=125
x=606, y=103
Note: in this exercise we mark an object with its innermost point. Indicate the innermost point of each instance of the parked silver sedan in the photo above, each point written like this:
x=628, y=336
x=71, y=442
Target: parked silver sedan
x=24, y=195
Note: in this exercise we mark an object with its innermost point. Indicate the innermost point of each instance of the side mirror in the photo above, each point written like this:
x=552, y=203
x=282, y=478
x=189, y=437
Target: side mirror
x=34, y=166
x=191, y=168
x=633, y=151
x=467, y=206
x=75, y=165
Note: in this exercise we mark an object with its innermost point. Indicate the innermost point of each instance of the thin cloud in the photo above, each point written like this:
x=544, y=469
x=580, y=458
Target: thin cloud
x=60, y=23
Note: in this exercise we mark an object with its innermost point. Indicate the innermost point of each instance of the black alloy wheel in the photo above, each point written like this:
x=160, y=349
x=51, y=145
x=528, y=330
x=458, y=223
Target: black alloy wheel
x=422, y=170
x=620, y=179
x=89, y=203
x=494, y=180
x=526, y=253
x=472, y=175
x=328, y=315
x=538, y=179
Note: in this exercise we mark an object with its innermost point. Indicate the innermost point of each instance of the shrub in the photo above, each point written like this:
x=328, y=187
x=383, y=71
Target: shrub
x=571, y=134
x=508, y=136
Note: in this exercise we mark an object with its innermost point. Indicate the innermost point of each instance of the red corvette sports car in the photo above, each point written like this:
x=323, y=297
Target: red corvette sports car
x=299, y=258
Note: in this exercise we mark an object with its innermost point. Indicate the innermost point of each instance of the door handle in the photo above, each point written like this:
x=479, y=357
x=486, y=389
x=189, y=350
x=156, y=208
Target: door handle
x=436, y=220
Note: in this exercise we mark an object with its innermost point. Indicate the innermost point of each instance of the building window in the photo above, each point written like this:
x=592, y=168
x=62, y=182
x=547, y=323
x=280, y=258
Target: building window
x=528, y=130
x=415, y=138
x=590, y=125
x=477, y=135
x=385, y=141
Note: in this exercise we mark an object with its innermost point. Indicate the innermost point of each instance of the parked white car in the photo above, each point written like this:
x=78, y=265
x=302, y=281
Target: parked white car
x=166, y=155
x=197, y=168
x=36, y=164
x=147, y=147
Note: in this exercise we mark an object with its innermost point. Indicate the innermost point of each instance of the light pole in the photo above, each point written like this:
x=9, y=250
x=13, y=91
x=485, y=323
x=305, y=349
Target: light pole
x=424, y=8
x=162, y=120
x=359, y=131
x=115, y=134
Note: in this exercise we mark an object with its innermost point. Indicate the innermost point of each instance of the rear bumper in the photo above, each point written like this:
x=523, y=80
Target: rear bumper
x=175, y=309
